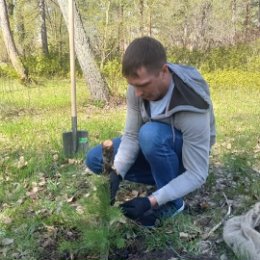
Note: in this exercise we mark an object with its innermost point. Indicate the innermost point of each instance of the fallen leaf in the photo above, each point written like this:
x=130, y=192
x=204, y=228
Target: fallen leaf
x=7, y=241
x=55, y=157
x=257, y=147
x=184, y=235
x=34, y=184
x=71, y=161
x=187, y=236
x=204, y=205
x=229, y=146
x=42, y=182
x=22, y=163
x=87, y=195
x=16, y=255
x=35, y=189
x=48, y=242
x=223, y=257
x=69, y=233
x=7, y=220
x=20, y=201
x=80, y=210
x=71, y=199
x=33, y=193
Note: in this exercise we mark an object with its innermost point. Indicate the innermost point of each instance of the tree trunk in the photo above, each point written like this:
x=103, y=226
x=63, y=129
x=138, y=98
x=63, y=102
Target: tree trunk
x=258, y=14
x=247, y=21
x=234, y=19
x=44, y=39
x=20, y=29
x=141, y=3
x=150, y=22
x=10, y=7
x=104, y=40
x=204, y=23
x=185, y=34
x=97, y=87
x=9, y=42
x=121, y=29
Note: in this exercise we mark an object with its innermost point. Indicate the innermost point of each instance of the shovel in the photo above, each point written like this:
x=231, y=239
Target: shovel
x=75, y=141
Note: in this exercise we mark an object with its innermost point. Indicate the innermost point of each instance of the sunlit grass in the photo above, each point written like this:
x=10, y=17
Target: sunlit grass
x=34, y=118
x=45, y=94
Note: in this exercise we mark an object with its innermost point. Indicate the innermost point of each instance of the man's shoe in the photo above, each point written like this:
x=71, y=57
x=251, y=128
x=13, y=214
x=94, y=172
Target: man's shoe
x=155, y=216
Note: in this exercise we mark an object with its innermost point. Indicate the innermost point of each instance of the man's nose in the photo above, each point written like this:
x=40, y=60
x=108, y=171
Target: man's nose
x=138, y=92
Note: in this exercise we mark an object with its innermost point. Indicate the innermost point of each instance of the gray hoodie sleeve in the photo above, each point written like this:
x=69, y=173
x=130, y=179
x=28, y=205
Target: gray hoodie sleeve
x=195, y=155
x=129, y=146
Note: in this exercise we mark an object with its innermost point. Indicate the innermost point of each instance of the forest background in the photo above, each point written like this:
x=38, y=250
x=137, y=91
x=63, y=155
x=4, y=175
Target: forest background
x=210, y=35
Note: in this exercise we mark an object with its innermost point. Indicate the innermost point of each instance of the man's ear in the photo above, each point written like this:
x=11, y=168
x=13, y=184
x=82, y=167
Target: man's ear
x=165, y=68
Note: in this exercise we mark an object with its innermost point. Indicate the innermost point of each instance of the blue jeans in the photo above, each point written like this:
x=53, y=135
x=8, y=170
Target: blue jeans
x=159, y=159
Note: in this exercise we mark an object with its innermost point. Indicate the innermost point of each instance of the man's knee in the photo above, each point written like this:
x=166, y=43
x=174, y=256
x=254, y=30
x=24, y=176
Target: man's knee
x=93, y=160
x=150, y=136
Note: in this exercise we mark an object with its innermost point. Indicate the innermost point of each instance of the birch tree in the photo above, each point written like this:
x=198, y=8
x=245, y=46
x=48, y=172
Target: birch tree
x=97, y=87
x=44, y=38
x=9, y=42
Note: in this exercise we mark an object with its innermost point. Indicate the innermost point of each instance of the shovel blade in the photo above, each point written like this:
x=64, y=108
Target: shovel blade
x=82, y=143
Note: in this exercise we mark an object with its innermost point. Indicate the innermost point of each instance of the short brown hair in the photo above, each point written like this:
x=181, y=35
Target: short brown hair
x=144, y=51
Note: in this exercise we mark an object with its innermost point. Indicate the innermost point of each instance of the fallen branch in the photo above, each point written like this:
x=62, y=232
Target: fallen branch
x=207, y=235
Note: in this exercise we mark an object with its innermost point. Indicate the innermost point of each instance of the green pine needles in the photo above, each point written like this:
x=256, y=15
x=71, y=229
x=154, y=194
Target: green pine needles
x=100, y=224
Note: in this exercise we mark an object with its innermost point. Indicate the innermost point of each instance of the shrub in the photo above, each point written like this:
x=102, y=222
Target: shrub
x=7, y=71
x=112, y=72
x=241, y=57
x=233, y=79
x=50, y=65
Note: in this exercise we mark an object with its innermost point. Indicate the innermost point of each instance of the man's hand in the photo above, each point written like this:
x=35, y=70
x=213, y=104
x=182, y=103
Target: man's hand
x=136, y=207
x=115, y=180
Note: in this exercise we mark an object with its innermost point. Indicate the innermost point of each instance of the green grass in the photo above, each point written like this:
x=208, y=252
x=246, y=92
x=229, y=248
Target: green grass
x=51, y=205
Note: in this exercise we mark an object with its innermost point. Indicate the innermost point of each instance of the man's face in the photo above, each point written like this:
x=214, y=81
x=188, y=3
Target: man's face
x=150, y=86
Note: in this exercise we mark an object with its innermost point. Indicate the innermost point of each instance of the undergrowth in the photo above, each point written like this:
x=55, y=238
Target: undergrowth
x=51, y=208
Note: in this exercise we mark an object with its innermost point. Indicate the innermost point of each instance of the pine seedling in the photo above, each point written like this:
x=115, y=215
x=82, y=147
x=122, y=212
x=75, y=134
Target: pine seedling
x=100, y=233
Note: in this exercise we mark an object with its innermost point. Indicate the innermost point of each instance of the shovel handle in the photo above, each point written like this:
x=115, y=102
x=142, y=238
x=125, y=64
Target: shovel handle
x=72, y=59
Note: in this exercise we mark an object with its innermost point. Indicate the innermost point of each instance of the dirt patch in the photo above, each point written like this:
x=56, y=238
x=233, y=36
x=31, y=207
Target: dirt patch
x=167, y=254
x=137, y=250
